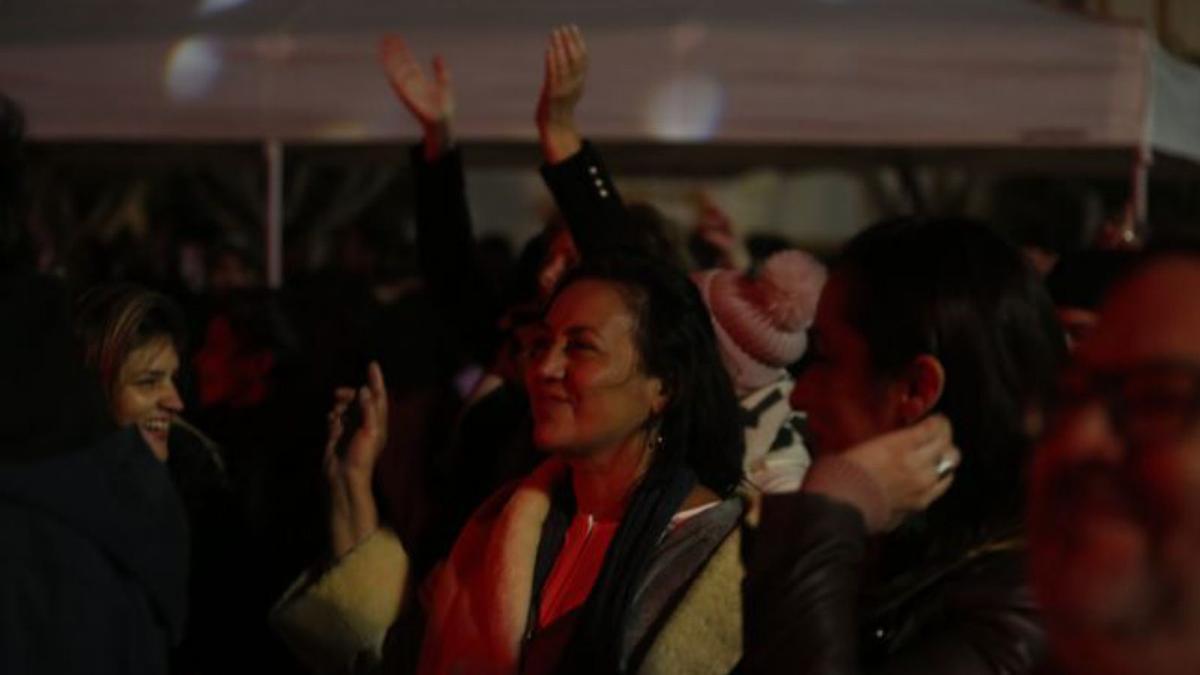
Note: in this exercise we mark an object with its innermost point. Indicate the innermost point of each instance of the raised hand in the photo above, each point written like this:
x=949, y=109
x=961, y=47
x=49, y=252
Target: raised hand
x=566, y=64
x=718, y=230
x=353, y=514
x=431, y=101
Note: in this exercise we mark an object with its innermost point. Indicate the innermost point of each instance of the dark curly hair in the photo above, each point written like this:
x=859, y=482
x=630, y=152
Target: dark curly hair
x=700, y=427
x=700, y=424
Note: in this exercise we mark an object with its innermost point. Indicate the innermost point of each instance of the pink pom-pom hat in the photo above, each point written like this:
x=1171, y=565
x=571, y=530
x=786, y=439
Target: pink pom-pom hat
x=761, y=321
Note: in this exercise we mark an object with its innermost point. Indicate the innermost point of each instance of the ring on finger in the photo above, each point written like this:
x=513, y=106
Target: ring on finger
x=944, y=466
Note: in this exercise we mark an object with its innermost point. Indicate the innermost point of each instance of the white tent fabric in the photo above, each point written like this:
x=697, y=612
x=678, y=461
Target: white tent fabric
x=1175, y=101
x=946, y=73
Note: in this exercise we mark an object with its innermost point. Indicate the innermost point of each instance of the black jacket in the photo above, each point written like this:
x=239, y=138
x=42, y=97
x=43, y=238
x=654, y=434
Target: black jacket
x=93, y=566
x=585, y=194
x=807, y=611
x=93, y=544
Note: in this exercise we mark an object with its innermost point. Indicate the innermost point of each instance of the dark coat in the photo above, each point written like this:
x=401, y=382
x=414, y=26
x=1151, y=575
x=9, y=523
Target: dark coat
x=93, y=543
x=807, y=610
x=93, y=565
x=584, y=193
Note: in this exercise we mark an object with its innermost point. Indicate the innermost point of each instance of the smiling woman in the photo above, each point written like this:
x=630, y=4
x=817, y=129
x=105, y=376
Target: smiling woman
x=585, y=384
x=132, y=338
x=619, y=553
x=145, y=392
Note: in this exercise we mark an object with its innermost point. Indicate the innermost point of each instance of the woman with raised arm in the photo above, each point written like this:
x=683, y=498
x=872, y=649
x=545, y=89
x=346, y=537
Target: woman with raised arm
x=620, y=552
x=613, y=555
x=490, y=443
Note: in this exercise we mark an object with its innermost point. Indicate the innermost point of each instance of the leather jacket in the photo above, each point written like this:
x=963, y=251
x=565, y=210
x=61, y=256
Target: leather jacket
x=807, y=610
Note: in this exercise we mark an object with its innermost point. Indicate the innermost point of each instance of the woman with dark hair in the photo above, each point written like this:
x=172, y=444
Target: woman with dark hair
x=490, y=443
x=918, y=318
x=620, y=552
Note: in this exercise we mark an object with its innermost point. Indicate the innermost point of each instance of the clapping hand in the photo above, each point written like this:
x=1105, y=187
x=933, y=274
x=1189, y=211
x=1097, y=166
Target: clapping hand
x=431, y=101
x=349, y=468
x=566, y=65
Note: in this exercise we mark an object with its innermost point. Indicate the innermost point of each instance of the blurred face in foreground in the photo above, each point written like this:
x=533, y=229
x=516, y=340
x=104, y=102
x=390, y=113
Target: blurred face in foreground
x=145, y=396
x=1115, y=511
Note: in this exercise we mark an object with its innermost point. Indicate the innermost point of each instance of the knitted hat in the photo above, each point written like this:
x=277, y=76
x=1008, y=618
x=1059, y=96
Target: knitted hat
x=761, y=320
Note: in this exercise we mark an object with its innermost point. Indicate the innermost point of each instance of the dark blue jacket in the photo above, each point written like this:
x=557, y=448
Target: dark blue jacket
x=93, y=561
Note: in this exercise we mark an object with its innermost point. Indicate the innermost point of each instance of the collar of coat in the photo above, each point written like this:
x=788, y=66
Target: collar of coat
x=479, y=599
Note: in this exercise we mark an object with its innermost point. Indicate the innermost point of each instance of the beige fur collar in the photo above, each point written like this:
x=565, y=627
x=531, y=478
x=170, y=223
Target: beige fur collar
x=479, y=598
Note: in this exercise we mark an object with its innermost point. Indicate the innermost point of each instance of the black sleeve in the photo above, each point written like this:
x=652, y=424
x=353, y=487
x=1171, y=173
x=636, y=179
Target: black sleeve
x=804, y=566
x=589, y=202
x=803, y=570
x=446, y=250
x=990, y=625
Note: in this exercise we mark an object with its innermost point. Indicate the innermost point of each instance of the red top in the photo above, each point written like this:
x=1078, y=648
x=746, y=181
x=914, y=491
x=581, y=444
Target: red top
x=578, y=564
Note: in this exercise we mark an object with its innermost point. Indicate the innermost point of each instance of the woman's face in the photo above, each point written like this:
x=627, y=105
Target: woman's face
x=145, y=394
x=585, y=381
x=847, y=402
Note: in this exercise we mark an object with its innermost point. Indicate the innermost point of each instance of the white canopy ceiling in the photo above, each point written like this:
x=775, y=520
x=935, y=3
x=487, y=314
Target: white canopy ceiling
x=1002, y=73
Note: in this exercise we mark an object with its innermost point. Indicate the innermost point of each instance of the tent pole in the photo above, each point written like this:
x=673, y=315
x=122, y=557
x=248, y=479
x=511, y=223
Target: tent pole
x=1141, y=196
x=273, y=227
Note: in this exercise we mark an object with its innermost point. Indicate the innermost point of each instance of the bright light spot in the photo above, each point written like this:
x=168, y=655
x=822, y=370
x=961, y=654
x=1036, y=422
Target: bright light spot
x=192, y=68
x=686, y=108
x=207, y=7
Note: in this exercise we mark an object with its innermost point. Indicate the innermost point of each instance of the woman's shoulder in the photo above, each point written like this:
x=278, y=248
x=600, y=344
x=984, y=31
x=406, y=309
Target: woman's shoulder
x=982, y=602
x=995, y=568
x=686, y=613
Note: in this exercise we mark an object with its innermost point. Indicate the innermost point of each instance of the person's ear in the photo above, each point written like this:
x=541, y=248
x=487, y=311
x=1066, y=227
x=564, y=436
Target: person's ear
x=923, y=382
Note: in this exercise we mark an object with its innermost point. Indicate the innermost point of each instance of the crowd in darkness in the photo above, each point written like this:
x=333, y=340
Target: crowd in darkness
x=604, y=454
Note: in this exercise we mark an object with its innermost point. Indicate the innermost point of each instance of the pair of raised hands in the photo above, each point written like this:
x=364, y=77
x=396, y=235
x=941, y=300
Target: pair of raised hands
x=431, y=99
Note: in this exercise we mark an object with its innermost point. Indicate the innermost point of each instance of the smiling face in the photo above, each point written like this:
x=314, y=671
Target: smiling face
x=847, y=402
x=586, y=386
x=144, y=394
x=1115, y=511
